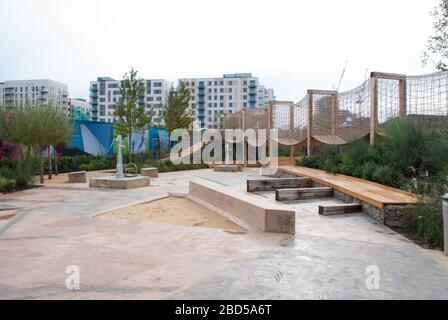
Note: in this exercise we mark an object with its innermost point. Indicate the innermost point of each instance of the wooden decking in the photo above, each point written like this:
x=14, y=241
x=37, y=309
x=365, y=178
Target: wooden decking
x=369, y=192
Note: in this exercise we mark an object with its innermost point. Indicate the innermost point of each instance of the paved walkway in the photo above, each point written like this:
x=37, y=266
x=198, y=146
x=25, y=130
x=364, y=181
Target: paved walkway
x=330, y=257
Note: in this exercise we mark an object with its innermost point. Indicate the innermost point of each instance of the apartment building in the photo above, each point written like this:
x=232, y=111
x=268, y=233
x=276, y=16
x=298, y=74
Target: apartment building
x=79, y=109
x=36, y=91
x=105, y=94
x=212, y=97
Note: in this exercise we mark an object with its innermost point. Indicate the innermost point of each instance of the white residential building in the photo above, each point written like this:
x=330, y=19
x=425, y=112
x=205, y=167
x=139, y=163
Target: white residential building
x=212, y=97
x=105, y=94
x=36, y=91
x=79, y=109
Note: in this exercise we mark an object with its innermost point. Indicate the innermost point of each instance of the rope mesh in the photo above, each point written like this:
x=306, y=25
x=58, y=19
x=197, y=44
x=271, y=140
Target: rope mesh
x=339, y=118
x=427, y=98
x=301, y=119
x=353, y=113
x=388, y=100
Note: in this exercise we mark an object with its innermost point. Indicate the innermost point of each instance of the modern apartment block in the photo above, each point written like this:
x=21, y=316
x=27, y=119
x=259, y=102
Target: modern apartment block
x=105, y=94
x=212, y=97
x=37, y=91
x=79, y=109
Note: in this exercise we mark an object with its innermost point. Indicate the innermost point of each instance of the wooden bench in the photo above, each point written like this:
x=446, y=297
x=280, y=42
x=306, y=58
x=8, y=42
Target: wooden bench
x=150, y=172
x=77, y=177
x=303, y=193
x=280, y=183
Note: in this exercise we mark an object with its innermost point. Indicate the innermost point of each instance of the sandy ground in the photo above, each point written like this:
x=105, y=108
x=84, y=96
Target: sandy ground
x=178, y=211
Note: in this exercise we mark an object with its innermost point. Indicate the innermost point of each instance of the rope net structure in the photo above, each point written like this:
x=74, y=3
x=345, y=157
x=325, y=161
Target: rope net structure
x=300, y=128
x=322, y=128
x=339, y=118
x=388, y=106
x=353, y=113
x=427, y=98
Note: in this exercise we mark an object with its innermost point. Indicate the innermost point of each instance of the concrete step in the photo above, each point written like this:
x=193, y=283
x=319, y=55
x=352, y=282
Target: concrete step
x=339, y=209
x=281, y=183
x=303, y=193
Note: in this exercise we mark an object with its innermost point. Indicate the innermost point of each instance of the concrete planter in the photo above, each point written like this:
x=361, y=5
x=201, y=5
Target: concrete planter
x=445, y=222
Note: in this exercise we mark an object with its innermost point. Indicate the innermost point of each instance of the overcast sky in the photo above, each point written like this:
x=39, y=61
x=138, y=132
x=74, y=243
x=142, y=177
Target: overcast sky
x=291, y=46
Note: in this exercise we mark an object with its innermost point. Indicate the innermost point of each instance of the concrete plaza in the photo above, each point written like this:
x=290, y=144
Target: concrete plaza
x=44, y=230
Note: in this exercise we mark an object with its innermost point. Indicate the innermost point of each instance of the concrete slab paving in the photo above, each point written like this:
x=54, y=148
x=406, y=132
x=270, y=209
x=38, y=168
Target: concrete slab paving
x=136, y=259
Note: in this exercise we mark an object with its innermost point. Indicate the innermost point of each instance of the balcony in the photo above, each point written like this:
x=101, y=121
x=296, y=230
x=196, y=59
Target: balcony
x=252, y=85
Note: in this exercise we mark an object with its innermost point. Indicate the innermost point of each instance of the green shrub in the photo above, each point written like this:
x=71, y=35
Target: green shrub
x=367, y=170
x=3, y=184
x=312, y=161
x=385, y=174
x=87, y=167
x=425, y=220
x=403, y=142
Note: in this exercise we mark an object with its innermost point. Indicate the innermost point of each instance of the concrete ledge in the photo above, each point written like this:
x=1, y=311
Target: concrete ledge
x=259, y=213
x=123, y=183
x=77, y=177
x=274, y=184
x=303, y=193
x=150, y=172
x=340, y=209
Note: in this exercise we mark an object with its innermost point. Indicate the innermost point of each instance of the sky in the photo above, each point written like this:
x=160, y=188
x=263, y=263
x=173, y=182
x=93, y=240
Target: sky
x=291, y=46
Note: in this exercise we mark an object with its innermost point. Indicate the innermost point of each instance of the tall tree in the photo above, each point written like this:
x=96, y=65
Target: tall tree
x=50, y=127
x=130, y=114
x=437, y=46
x=175, y=111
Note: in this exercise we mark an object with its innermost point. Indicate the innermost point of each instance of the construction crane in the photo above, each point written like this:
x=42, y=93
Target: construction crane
x=342, y=76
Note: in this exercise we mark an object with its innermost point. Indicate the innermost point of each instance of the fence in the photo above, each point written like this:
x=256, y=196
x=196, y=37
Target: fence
x=331, y=117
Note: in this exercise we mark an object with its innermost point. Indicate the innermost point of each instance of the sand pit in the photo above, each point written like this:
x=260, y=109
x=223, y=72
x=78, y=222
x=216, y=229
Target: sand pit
x=177, y=211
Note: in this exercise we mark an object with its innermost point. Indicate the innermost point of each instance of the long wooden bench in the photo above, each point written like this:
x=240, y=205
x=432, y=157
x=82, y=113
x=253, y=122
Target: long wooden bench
x=255, y=211
x=303, y=193
x=280, y=183
x=369, y=192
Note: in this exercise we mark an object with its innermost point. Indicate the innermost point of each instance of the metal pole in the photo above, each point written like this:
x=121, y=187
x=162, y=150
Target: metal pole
x=445, y=222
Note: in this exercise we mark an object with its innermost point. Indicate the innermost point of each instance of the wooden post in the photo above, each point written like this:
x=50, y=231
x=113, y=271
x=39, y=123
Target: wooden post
x=310, y=124
x=334, y=102
x=373, y=106
x=402, y=97
x=291, y=132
